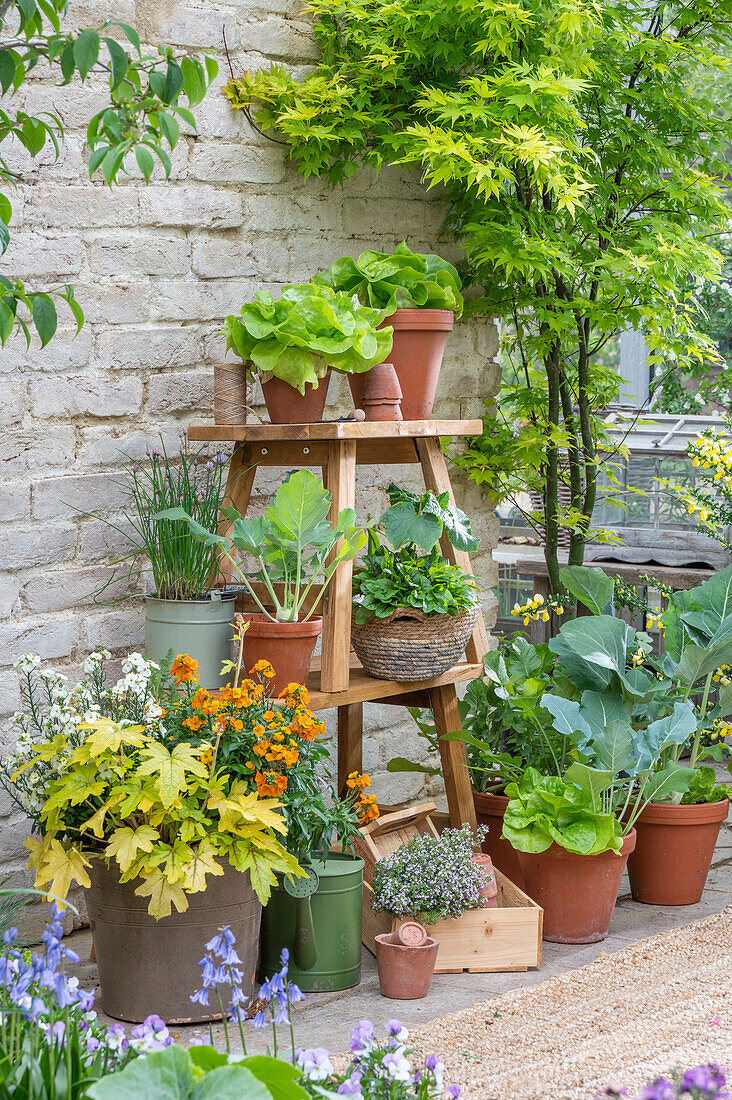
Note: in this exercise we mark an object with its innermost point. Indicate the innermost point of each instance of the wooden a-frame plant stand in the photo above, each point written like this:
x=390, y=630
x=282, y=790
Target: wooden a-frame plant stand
x=338, y=448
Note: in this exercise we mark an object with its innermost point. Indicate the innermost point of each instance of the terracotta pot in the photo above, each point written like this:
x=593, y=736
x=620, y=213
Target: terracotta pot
x=489, y=810
x=420, y=336
x=489, y=889
x=286, y=405
x=151, y=966
x=577, y=893
x=405, y=973
x=382, y=394
x=287, y=646
x=674, y=851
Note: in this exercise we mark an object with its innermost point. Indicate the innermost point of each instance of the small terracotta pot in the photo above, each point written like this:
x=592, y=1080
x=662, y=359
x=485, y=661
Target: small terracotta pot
x=286, y=405
x=489, y=890
x=674, y=851
x=420, y=336
x=287, y=646
x=489, y=810
x=576, y=892
x=405, y=973
x=382, y=394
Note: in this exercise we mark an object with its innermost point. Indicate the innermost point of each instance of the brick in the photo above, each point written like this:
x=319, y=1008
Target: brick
x=223, y=162
x=190, y=206
x=31, y=254
x=27, y=450
x=274, y=212
x=149, y=348
x=139, y=254
x=75, y=103
x=98, y=541
x=266, y=256
x=12, y=402
x=100, y=447
x=117, y=630
x=201, y=301
x=65, y=496
x=10, y=699
x=281, y=38
x=182, y=392
x=66, y=352
x=9, y=592
x=77, y=395
x=120, y=302
x=92, y=205
x=49, y=638
x=60, y=589
x=21, y=547
x=15, y=502
x=92, y=13
x=193, y=27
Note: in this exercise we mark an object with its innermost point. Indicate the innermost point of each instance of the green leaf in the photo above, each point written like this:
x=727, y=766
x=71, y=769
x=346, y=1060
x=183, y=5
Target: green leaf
x=45, y=317
x=8, y=62
x=401, y=764
x=193, y=83
x=145, y=161
x=7, y=321
x=676, y=729
x=231, y=1083
x=131, y=35
x=403, y=525
x=591, y=586
x=590, y=650
x=118, y=60
x=206, y=1057
x=86, y=51
x=591, y=780
x=279, y=1077
x=6, y=209
x=164, y=1075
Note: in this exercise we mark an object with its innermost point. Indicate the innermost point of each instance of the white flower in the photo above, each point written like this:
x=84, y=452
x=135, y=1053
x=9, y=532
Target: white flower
x=315, y=1064
x=27, y=663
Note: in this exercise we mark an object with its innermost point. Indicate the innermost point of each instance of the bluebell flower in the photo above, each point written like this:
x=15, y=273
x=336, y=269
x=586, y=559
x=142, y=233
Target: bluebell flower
x=10, y=936
x=294, y=993
x=259, y=1021
x=200, y=997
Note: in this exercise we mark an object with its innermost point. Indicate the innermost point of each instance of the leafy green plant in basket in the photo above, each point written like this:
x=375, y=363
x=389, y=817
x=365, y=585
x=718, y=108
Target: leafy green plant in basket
x=308, y=329
x=399, y=280
x=290, y=544
x=401, y=576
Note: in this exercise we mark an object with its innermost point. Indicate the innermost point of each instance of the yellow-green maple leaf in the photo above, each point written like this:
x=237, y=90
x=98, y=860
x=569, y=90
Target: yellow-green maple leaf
x=61, y=866
x=202, y=864
x=171, y=768
x=125, y=844
x=108, y=736
x=162, y=894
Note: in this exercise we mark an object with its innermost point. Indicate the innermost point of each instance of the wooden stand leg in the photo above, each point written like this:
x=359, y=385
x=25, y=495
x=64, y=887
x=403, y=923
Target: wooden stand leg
x=437, y=478
x=454, y=759
x=239, y=482
x=339, y=477
x=350, y=743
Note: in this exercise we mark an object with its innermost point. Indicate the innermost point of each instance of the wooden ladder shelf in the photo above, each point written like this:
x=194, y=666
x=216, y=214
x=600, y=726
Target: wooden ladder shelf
x=338, y=448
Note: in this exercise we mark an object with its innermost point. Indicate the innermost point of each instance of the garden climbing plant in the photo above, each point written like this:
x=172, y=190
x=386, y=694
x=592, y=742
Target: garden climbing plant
x=143, y=117
x=581, y=178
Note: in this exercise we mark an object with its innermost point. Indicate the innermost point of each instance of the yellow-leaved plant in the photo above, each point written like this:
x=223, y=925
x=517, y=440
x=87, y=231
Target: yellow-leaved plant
x=166, y=817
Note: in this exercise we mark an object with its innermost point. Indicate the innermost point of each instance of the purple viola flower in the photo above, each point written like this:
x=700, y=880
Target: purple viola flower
x=351, y=1086
x=396, y=1030
x=363, y=1038
x=661, y=1089
x=453, y=1091
x=709, y=1079
x=315, y=1063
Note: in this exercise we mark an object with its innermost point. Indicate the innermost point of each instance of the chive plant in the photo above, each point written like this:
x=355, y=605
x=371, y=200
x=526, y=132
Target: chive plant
x=182, y=567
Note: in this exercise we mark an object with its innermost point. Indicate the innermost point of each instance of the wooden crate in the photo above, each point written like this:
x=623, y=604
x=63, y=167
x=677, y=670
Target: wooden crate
x=507, y=938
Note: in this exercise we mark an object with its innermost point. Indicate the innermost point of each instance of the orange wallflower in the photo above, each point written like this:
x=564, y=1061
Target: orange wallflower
x=367, y=808
x=357, y=782
x=259, y=731
x=268, y=715
x=184, y=668
x=262, y=748
x=270, y=784
x=295, y=695
x=200, y=699
x=236, y=724
x=264, y=668
x=194, y=722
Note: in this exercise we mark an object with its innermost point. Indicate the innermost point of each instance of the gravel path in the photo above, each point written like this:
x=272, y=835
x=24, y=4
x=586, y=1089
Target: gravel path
x=663, y=1002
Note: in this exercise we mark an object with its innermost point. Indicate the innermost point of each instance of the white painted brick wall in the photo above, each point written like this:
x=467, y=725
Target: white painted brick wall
x=156, y=269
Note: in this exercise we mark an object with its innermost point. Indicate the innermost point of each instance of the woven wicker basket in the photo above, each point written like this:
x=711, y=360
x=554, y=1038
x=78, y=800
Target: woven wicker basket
x=409, y=645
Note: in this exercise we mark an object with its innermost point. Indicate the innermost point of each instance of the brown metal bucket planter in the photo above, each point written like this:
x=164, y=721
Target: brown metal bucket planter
x=577, y=893
x=489, y=811
x=420, y=336
x=674, y=851
x=151, y=966
x=286, y=405
x=287, y=646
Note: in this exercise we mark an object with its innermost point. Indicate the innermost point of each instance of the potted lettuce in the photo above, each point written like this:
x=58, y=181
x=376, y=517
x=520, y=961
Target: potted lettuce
x=419, y=295
x=293, y=342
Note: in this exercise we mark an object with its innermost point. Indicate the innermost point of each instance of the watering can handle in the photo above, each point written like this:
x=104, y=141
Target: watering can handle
x=306, y=951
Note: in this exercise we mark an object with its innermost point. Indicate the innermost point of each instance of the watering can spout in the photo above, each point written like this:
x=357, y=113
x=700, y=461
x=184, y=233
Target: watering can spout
x=305, y=948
